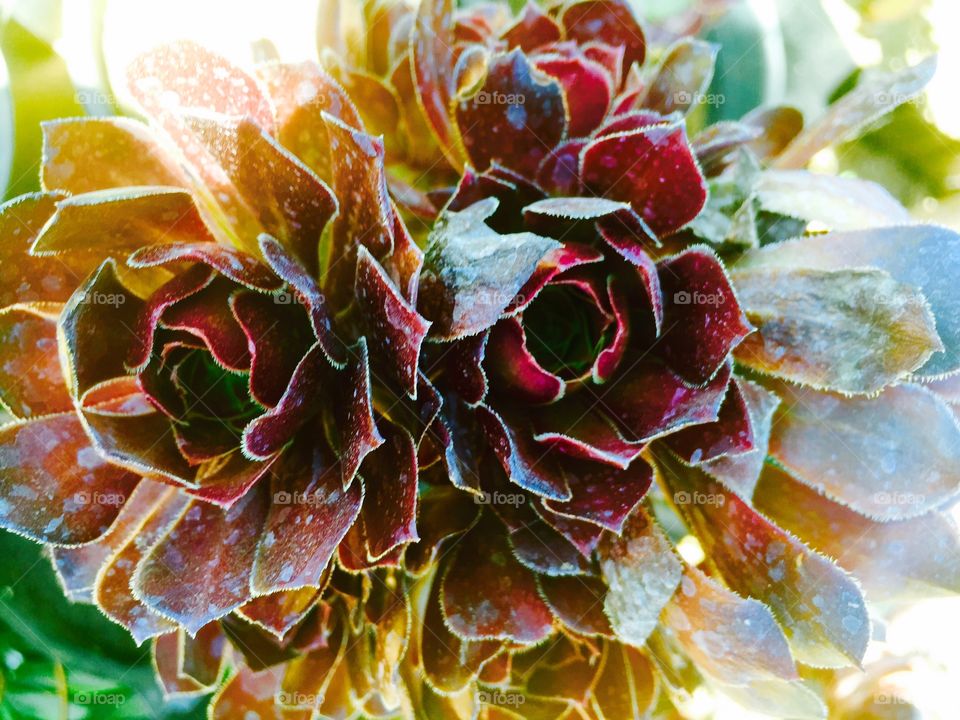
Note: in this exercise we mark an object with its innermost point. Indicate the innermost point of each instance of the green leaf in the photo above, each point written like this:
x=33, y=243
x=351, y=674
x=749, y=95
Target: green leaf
x=39, y=89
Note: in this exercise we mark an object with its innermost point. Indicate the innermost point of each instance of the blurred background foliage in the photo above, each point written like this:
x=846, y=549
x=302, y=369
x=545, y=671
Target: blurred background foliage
x=65, y=58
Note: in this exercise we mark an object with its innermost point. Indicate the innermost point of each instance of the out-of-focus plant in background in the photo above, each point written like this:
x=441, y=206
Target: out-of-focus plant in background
x=62, y=58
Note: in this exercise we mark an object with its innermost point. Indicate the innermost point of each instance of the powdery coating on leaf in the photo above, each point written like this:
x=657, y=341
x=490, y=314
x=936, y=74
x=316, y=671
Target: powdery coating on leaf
x=902, y=559
x=853, y=331
x=395, y=329
x=731, y=434
x=641, y=573
x=915, y=255
x=309, y=515
x=200, y=569
x=31, y=379
x=873, y=98
x=577, y=602
x=235, y=264
x=77, y=567
x=650, y=400
x=740, y=472
x=486, y=594
x=515, y=118
x=653, y=169
x=124, y=219
x=586, y=87
x=818, y=606
x=735, y=640
x=25, y=278
x=609, y=20
x=390, y=507
x=300, y=93
x=289, y=200
x=92, y=355
x=839, y=203
x=603, y=495
x=702, y=318
x=889, y=457
x=472, y=273
x=449, y=662
x=365, y=218
x=81, y=155
x=112, y=591
x=279, y=612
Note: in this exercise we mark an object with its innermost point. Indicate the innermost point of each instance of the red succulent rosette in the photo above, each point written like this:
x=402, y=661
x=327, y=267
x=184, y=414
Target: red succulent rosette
x=228, y=413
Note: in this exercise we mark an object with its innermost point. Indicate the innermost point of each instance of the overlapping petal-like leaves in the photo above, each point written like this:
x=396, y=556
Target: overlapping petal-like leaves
x=395, y=384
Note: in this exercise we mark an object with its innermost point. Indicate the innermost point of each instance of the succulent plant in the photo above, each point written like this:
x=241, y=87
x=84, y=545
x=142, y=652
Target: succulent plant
x=390, y=387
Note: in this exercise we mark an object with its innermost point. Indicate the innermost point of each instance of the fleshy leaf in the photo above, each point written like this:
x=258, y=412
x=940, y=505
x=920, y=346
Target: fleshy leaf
x=390, y=478
x=840, y=203
x=627, y=686
x=237, y=265
x=31, y=380
x=93, y=356
x=683, y=76
x=81, y=155
x=532, y=29
x=586, y=87
x=667, y=190
x=515, y=118
x=271, y=431
x=641, y=573
x=25, y=278
x=77, y=567
x=730, y=434
x=513, y=368
x=300, y=92
x=740, y=472
x=113, y=221
x=200, y=569
x=279, y=612
x=609, y=20
x=290, y=201
x=359, y=435
x=735, y=640
x=310, y=513
x=603, y=495
x=853, y=331
x=365, y=218
x=112, y=590
x=818, y=606
x=278, y=335
x=449, y=662
x=487, y=594
x=577, y=601
x=702, y=319
x=650, y=400
x=873, y=98
x=893, y=560
x=889, y=457
x=910, y=254
x=395, y=329
x=472, y=273
x=432, y=45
